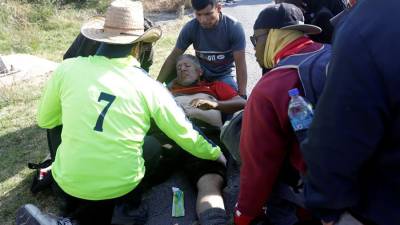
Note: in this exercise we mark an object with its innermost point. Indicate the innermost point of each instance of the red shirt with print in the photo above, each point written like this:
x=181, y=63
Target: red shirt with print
x=220, y=90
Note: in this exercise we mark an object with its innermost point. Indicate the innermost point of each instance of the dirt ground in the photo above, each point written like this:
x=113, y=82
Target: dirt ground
x=25, y=68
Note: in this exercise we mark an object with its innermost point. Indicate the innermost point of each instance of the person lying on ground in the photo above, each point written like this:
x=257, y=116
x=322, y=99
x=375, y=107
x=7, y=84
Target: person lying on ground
x=202, y=99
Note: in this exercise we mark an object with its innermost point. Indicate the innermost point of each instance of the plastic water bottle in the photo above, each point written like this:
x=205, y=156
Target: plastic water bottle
x=300, y=113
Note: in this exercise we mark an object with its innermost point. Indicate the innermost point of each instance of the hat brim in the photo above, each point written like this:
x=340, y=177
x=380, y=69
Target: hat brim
x=94, y=30
x=305, y=28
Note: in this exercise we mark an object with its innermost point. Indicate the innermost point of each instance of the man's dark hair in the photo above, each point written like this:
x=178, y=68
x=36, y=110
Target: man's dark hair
x=201, y=4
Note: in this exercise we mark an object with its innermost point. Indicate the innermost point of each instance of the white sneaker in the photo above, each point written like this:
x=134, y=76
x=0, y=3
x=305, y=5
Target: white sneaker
x=31, y=215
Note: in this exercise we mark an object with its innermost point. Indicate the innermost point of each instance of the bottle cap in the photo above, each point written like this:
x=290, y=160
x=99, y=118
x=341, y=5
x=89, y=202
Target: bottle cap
x=293, y=92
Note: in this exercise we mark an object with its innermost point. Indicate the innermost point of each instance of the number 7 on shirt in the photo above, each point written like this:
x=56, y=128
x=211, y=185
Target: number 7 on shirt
x=108, y=98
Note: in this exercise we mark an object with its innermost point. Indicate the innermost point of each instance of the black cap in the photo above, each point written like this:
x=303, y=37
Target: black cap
x=284, y=16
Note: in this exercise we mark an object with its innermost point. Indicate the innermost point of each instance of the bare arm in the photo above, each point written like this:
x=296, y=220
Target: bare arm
x=241, y=71
x=227, y=106
x=168, y=68
x=232, y=105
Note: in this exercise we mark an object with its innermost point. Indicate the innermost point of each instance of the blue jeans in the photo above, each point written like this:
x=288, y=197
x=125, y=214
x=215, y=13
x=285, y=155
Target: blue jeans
x=228, y=79
x=282, y=205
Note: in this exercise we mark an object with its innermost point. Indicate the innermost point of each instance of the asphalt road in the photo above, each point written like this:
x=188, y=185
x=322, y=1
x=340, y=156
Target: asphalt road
x=246, y=11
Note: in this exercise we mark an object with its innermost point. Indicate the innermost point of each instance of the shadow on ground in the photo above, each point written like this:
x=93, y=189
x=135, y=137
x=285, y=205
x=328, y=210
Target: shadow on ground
x=20, y=147
x=16, y=150
x=20, y=195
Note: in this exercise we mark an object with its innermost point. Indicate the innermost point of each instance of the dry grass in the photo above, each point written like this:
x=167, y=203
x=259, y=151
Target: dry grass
x=164, y=5
x=47, y=30
x=42, y=30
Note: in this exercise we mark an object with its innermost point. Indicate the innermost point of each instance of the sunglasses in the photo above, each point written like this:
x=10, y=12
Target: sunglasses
x=254, y=38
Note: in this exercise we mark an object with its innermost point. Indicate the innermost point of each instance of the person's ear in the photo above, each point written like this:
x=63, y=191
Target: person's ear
x=218, y=7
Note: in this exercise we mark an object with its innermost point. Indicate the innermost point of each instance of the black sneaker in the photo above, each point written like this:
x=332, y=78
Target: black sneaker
x=213, y=216
x=126, y=214
x=31, y=215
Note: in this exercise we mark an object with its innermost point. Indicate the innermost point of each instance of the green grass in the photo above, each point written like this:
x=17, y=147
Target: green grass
x=45, y=31
x=42, y=29
x=21, y=141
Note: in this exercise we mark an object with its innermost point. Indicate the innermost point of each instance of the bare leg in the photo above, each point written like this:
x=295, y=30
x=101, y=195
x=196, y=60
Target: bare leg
x=210, y=194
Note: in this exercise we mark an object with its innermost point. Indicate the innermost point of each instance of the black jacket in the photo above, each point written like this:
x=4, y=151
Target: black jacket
x=353, y=150
x=319, y=13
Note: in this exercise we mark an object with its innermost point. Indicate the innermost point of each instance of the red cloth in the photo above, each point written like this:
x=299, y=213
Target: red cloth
x=267, y=136
x=220, y=90
x=293, y=48
x=241, y=219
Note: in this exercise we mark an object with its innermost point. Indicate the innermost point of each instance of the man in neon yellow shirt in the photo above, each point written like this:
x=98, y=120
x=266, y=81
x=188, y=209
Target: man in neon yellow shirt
x=105, y=103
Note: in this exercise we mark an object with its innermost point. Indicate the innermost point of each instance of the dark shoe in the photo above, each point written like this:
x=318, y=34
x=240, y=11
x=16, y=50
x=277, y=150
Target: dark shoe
x=126, y=214
x=31, y=215
x=213, y=216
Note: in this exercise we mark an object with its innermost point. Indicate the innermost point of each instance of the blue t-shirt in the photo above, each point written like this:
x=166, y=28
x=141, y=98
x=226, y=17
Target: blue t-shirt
x=214, y=47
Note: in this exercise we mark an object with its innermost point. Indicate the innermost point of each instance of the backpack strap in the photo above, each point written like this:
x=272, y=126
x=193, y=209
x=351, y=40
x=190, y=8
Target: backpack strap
x=312, y=70
x=300, y=58
x=41, y=165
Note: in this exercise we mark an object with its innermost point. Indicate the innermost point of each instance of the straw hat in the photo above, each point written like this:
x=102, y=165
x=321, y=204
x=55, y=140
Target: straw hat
x=123, y=24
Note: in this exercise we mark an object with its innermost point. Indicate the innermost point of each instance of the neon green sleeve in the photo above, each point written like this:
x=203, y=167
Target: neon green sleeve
x=171, y=119
x=49, y=112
